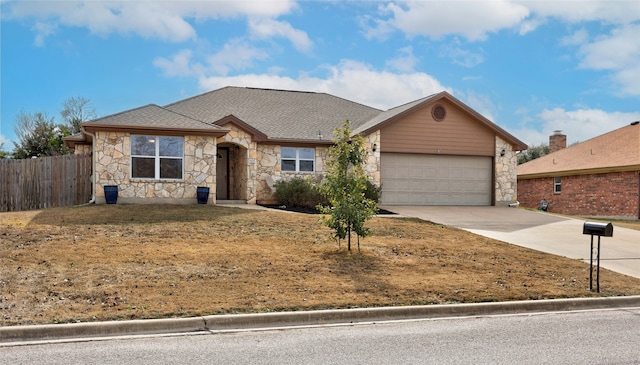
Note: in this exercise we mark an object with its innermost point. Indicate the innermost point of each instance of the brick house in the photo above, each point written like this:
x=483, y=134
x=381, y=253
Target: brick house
x=240, y=141
x=598, y=178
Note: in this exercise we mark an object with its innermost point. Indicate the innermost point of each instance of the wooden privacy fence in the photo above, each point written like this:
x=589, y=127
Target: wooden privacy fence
x=44, y=182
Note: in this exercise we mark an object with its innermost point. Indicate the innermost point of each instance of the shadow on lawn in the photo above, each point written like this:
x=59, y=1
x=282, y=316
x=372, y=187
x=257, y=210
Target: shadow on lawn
x=134, y=214
x=364, y=269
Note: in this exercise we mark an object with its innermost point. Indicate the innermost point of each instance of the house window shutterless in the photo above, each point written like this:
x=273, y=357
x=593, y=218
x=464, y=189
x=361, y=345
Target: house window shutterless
x=557, y=185
x=157, y=157
x=298, y=159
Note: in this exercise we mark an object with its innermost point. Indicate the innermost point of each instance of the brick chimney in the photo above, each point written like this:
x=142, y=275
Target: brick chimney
x=557, y=141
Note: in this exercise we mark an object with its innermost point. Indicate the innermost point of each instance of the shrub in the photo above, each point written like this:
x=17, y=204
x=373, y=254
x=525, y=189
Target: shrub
x=298, y=192
x=373, y=192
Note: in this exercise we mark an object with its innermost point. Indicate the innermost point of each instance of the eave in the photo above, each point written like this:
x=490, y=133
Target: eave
x=592, y=171
x=155, y=130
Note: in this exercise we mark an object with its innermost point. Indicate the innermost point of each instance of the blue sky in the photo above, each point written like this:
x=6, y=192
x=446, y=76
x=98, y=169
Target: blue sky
x=532, y=67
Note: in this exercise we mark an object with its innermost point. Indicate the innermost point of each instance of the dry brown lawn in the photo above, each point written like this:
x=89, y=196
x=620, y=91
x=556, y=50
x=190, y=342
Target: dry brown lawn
x=109, y=262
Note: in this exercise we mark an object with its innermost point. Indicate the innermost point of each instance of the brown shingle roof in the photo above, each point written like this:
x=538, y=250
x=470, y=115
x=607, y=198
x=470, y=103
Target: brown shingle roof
x=151, y=117
x=278, y=114
x=618, y=150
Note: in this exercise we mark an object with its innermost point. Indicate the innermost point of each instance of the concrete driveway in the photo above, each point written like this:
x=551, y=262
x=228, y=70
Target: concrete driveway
x=537, y=230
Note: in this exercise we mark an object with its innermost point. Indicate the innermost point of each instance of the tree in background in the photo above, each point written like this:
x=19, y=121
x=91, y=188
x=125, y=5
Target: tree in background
x=4, y=154
x=344, y=187
x=39, y=136
x=532, y=153
x=75, y=111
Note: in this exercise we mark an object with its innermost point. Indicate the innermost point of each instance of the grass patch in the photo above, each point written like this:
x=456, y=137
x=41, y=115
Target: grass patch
x=109, y=262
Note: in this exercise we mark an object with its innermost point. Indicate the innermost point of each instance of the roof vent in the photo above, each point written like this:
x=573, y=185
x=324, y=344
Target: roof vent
x=438, y=112
x=636, y=122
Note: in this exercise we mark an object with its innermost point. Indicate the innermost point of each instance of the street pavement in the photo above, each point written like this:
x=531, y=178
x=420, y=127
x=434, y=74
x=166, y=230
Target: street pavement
x=542, y=231
x=582, y=337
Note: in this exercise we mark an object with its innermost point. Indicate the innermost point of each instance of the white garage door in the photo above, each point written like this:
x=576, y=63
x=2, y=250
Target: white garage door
x=417, y=179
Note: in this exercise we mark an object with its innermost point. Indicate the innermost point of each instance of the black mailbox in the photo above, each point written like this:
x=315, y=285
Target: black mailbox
x=598, y=229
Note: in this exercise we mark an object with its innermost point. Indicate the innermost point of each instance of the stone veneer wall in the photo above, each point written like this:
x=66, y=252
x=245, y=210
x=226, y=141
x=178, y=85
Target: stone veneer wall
x=82, y=149
x=506, y=189
x=268, y=170
x=245, y=180
x=268, y=167
x=372, y=166
x=113, y=167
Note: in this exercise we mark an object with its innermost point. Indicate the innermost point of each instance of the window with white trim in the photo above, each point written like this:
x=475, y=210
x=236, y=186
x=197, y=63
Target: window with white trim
x=298, y=159
x=557, y=185
x=157, y=157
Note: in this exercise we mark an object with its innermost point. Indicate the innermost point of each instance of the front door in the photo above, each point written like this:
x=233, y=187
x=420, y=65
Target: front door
x=222, y=173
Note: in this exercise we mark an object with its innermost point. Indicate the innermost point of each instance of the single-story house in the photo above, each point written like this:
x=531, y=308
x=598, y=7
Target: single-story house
x=598, y=178
x=240, y=141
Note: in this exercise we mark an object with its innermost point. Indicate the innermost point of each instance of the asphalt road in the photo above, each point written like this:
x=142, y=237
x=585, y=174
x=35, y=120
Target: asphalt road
x=589, y=337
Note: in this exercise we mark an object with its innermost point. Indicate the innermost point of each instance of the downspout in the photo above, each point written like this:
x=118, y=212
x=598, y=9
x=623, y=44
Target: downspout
x=93, y=165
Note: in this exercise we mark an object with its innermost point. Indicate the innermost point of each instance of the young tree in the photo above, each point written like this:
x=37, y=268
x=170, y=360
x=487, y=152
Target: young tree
x=75, y=111
x=39, y=136
x=344, y=187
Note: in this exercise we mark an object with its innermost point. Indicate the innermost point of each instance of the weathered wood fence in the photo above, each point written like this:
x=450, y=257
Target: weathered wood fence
x=45, y=182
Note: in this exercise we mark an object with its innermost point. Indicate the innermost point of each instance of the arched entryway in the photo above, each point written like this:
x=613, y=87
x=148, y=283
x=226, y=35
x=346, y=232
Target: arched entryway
x=231, y=172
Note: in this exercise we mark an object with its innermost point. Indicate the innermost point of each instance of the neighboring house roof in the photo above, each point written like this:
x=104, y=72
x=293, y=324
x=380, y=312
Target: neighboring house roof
x=618, y=150
x=277, y=114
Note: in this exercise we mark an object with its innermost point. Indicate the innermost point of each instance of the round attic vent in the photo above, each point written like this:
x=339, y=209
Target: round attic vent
x=438, y=112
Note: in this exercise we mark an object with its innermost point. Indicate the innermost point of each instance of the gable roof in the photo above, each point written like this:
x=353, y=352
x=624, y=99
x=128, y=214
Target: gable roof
x=278, y=114
x=618, y=150
x=399, y=112
x=151, y=117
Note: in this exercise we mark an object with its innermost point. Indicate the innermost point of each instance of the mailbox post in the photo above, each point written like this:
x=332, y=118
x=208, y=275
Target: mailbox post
x=596, y=229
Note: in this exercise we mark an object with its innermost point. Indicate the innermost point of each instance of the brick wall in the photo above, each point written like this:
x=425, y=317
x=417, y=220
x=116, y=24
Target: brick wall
x=614, y=194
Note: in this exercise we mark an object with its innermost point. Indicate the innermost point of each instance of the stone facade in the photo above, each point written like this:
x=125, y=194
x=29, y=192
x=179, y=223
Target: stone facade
x=506, y=189
x=372, y=166
x=113, y=167
x=615, y=194
x=242, y=163
x=268, y=170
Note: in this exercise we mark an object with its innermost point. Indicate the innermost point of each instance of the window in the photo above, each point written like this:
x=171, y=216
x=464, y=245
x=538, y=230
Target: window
x=557, y=185
x=298, y=159
x=156, y=157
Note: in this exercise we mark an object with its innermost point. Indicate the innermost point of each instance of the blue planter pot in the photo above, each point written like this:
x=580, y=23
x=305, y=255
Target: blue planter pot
x=111, y=194
x=203, y=194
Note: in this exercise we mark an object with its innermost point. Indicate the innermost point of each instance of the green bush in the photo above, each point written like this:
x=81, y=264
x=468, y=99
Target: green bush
x=373, y=192
x=298, y=192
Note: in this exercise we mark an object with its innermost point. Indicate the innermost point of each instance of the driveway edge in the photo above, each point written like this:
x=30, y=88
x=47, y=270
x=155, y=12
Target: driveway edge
x=229, y=322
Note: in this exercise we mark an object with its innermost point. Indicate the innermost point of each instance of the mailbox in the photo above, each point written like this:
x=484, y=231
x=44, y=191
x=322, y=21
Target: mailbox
x=598, y=229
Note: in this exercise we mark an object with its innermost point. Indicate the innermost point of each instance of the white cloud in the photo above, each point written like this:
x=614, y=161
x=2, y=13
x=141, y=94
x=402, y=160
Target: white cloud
x=473, y=19
x=406, y=61
x=618, y=52
x=460, y=56
x=578, y=37
x=235, y=55
x=383, y=89
x=584, y=11
x=165, y=20
x=268, y=28
x=178, y=65
x=579, y=125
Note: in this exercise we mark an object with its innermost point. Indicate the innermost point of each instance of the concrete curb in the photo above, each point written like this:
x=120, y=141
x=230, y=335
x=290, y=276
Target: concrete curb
x=230, y=322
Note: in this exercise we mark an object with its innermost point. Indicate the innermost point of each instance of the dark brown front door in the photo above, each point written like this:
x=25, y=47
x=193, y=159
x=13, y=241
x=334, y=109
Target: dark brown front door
x=222, y=173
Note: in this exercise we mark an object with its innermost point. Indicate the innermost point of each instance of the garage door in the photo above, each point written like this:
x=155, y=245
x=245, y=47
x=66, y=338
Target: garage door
x=417, y=179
